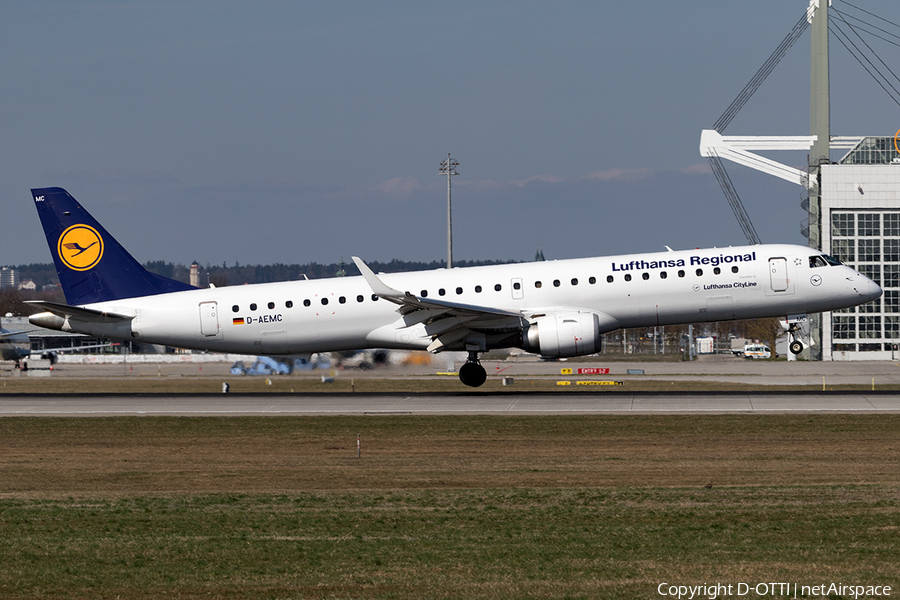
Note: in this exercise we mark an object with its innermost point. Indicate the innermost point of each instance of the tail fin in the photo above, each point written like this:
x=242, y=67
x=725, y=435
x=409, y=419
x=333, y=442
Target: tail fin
x=92, y=266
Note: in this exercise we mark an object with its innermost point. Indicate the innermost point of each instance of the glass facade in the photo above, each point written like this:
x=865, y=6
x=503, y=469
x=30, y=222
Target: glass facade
x=869, y=241
x=871, y=151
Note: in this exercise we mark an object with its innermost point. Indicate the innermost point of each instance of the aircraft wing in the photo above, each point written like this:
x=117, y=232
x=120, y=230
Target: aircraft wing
x=9, y=334
x=77, y=348
x=450, y=324
x=81, y=314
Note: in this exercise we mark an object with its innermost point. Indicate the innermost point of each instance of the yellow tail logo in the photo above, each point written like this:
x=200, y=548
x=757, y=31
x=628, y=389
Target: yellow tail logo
x=80, y=247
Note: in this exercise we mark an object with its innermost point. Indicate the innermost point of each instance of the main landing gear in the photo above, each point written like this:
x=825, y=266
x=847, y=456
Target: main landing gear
x=472, y=373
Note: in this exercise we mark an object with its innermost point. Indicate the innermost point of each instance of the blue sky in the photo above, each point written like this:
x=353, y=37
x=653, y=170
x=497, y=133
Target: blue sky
x=305, y=131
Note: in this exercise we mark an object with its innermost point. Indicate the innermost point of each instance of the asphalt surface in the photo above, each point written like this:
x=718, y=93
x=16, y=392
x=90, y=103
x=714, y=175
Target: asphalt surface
x=462, y=403
x=707, y=368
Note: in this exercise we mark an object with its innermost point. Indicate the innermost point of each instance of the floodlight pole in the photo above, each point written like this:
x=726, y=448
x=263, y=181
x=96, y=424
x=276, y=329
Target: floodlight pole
x=448, y=168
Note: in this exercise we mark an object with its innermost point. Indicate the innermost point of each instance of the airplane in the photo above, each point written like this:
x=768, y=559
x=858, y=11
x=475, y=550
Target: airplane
x=14, y=345
x=555, y=308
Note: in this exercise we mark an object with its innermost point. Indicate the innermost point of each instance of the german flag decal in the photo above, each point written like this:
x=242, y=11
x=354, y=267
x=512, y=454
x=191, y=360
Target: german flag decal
x=237, y=321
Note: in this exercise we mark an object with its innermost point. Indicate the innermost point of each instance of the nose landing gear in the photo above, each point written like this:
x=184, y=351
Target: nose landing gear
x=796, y=346
x=472, y=373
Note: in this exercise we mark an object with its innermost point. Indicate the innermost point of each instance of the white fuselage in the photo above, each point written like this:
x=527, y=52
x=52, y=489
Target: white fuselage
x=628, y=291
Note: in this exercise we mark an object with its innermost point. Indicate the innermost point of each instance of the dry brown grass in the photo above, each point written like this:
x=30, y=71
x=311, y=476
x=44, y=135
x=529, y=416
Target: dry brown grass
x=277, y=454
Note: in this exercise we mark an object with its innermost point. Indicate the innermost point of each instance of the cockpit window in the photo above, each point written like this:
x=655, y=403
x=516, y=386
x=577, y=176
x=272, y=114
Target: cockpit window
x=823, y=260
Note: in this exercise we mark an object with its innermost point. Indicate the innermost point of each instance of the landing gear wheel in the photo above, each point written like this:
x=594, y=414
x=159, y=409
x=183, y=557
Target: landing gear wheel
x=472, y=374
x=796, y=347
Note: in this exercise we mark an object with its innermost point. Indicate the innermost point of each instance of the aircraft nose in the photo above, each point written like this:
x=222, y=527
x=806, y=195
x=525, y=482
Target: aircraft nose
x=868, y=289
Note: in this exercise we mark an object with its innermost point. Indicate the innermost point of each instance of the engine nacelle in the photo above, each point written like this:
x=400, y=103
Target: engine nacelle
x=569, y=333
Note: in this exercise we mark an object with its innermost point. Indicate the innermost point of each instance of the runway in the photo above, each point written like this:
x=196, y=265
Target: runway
x=445, y=404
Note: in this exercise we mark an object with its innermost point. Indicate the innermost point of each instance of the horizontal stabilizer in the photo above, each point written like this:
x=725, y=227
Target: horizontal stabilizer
x=88, y=315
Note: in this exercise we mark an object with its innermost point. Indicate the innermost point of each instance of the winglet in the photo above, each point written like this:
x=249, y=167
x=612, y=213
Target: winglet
x=379, y=288
x=410, y=301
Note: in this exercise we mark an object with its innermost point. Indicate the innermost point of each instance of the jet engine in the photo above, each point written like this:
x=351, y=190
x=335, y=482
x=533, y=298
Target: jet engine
x=567, y=333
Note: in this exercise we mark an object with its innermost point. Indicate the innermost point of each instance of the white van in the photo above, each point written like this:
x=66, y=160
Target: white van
x=757, y=351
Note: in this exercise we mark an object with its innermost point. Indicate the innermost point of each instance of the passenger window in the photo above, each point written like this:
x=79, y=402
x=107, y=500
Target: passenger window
x=441, y=292
x=681, y=272
x=253, y=307
x=235, y=308
x=537, y=284
x=306, y=303
x=663, y=274
x=289, y=304
x=477, y=289
x=518, y=286
x=592, y=280
x=645, y=276
x=324, y=301
x=359, y=298
x=627, y=276
x=423, y=293
x=574, y=281
x=716, y=271
x=609, y=279
x=458, y=290
x=499, y=287
x=734, y=269
x=374, y=298
x=556, y=283
x=699, y=272
x=271, y=305
x=342, y=300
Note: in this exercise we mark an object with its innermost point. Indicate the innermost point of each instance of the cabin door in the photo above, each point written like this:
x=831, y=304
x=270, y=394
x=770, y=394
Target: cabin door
x=778, y=274
x=209, y=319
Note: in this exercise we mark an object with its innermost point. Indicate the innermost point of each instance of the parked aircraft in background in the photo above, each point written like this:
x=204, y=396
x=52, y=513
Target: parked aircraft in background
x=555, y=308
x=16, y=346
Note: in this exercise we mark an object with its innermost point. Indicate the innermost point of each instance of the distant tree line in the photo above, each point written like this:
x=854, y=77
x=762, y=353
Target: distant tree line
x=40, y=273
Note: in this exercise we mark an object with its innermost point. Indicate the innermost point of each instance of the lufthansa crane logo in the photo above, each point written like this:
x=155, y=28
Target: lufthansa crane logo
x=80, y=247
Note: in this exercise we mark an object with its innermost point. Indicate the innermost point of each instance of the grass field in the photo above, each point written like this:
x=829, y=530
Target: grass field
x=444, y=507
